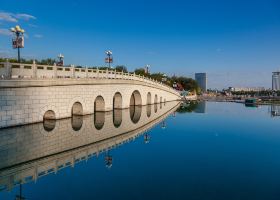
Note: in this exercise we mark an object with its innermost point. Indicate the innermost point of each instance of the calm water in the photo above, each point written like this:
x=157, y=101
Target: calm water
x=202, y=151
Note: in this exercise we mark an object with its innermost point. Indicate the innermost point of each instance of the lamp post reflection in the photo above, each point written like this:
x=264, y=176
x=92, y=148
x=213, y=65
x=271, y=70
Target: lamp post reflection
x=20, y=197
x=163, y=125
x=108, y=160
x=147, y=138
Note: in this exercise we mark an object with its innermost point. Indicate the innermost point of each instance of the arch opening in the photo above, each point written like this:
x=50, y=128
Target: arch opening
x=117, y=101
x=99, y=104
x=156, y=99
x=149, y=98
x=135, y=99
x=77, y=109
x=49, y=120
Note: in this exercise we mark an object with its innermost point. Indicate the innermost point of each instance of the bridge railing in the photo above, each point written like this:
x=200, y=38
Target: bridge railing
x=11, y=71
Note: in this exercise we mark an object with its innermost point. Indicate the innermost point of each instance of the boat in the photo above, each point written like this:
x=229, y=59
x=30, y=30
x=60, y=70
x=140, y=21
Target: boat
x=251, y=102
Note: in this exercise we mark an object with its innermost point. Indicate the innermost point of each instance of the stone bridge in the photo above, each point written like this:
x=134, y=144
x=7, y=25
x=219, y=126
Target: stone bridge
x=31, y=93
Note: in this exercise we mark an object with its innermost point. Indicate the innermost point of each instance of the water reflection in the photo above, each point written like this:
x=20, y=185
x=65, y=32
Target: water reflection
x=200, y=107
x=155, y=108
x=77, y=122
x=135, y=113
x=49, y=124
x=117, y=117
x=99, y=120
x=149, y=110
x=45, y=148
x=187, y=107
x=275, y=110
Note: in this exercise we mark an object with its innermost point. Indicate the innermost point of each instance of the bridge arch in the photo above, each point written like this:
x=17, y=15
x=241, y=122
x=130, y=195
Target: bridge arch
x=149, y=98
x=156, y=99
x=135, y=99
x=117, y=101
x=99, y=104
x=49, y=120
x=77, y=109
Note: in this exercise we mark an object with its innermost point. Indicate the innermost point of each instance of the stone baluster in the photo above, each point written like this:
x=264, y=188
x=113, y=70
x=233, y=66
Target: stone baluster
x=97, y=72
x=122, y=74
x=115, y=73
x=73, y=71
x=34, y=68
x=107, y=73
x=86, y=72
x=54, y=70
x=8, y=69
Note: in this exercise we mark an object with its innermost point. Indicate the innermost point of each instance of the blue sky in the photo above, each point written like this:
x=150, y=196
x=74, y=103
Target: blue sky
x=236, y=42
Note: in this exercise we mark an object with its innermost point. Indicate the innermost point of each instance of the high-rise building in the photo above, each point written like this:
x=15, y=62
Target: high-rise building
x=201, y=80
x=275, y=80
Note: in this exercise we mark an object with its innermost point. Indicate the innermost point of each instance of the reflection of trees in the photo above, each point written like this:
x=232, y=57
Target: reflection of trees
x=187, y=107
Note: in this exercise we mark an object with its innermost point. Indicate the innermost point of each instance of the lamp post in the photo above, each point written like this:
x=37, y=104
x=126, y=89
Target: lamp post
x=60, y=58
x=109, y=59
x=147, y=69
x=18, y=42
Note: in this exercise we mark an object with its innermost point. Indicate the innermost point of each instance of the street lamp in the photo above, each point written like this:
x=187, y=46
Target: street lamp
x=164, y=78
x=147, y=69
x=61, y=61
x=109, y=59
x=18, y=41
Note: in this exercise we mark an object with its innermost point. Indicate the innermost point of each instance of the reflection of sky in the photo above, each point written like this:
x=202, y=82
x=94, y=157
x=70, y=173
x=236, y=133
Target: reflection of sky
x=231, y=149
x=220, y=37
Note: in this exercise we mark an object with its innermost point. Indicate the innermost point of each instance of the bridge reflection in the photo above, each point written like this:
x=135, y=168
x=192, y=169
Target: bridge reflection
x=33, y=151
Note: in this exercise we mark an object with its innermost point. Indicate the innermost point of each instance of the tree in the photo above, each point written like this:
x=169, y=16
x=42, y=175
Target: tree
x=120, y=68
x=140, y=71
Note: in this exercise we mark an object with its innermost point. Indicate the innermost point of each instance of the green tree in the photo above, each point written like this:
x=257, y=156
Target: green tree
x=120, y=68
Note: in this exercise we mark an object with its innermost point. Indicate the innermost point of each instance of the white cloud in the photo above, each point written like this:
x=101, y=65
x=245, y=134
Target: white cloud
x=24, y=16
x=9, y=17
x=38, y=36
x=6, y=32
x=12, y=17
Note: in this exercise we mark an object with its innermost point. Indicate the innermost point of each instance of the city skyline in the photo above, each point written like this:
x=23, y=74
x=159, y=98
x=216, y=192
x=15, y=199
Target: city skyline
x=236, y=44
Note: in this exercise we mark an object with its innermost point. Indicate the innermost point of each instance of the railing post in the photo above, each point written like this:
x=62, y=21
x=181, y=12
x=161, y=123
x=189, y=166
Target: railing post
x=97, y=71
x=107, y=73
x=86, y=72
x=8, y=69
x=115, y=73
x=73, y=71
x=34, y=67
x=55, y=70
x=122, y=74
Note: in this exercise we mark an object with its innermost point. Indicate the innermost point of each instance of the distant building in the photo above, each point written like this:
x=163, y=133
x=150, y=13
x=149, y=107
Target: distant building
x=275, y=80
x=201, y=79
